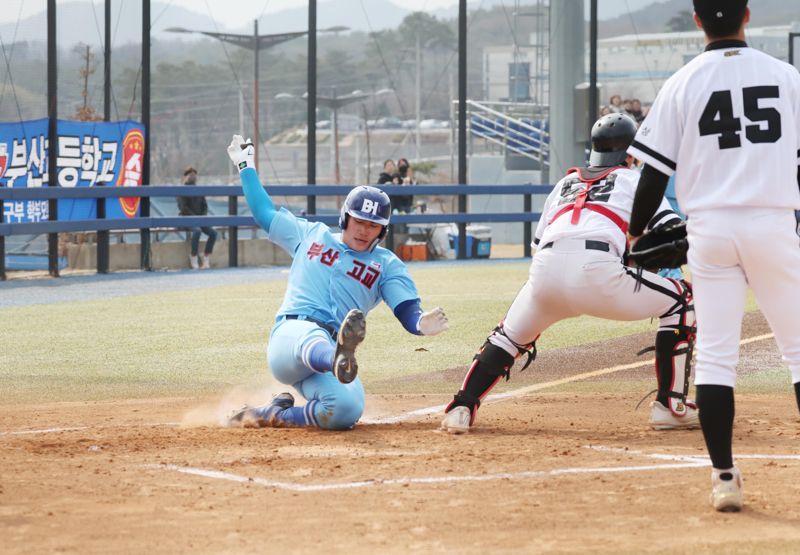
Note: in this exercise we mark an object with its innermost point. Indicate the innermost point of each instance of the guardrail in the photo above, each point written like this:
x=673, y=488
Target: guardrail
x=233, y=221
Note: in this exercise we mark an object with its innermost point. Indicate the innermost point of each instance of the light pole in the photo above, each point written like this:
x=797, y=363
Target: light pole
x=254, y=42
x=335, y=102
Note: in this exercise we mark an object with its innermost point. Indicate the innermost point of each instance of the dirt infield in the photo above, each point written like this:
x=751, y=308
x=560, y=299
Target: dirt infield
x=554, y=471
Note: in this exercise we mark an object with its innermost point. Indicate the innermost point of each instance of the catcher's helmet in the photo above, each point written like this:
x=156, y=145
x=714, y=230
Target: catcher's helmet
x=612, y=134
x=367, y=203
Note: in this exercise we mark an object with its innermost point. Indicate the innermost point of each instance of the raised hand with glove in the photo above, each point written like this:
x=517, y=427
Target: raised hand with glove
x=433, y=322
x=242, y=153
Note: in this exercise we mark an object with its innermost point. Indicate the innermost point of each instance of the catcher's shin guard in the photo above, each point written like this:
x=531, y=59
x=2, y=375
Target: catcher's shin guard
x=674, y=347
x=489, y=366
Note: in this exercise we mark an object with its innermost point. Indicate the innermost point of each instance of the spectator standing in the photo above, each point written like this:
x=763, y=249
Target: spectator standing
x=636, y=110
x=404, y=203
x=615, y=104
x=197, y=206
x=389, y=174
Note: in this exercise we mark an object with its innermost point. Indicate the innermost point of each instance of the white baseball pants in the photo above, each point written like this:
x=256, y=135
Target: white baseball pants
x=569, y=280
x=730, y=249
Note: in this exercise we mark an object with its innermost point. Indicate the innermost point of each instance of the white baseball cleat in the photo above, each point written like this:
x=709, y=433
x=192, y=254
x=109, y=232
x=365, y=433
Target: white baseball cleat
x=457, y=421
x=661, y=418
x=726, y=490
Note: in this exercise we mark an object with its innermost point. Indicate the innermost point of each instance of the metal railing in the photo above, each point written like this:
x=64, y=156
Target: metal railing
x=514, y=127
x=233, y=221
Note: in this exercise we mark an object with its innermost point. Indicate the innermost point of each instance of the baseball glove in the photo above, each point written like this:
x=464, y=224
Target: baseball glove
x=664, y=246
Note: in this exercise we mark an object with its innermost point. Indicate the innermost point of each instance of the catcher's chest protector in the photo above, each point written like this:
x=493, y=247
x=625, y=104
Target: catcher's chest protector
x=589, y=188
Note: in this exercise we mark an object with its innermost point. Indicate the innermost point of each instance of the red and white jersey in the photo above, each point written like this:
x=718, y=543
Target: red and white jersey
x=601, y=212
x=728, y=124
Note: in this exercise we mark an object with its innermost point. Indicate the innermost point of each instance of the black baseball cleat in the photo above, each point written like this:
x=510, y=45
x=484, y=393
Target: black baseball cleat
x=260, y=417
x=351, y=334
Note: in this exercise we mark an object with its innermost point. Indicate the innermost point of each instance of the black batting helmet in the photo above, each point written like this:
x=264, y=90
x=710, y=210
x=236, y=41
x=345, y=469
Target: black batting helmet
x=612, y=134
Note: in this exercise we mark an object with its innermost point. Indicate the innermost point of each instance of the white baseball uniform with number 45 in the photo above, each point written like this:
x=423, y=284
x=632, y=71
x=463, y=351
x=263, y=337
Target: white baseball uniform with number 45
x=728, y=125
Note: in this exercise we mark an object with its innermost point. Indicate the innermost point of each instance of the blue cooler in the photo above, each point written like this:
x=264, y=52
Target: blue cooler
x=479, y=241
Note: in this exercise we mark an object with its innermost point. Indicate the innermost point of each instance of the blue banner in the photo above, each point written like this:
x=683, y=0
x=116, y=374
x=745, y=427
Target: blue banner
x=89, y=154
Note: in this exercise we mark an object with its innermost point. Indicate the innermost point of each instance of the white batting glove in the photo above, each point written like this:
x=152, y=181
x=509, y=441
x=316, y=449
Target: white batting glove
x=433, y=322
x=242, y=153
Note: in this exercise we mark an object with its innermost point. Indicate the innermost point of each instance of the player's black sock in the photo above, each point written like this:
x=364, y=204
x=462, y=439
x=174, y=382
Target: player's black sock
x=797, y=394
x=716, y=406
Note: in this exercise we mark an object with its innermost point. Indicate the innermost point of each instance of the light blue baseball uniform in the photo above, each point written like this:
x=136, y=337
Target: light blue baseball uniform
x=326, y=280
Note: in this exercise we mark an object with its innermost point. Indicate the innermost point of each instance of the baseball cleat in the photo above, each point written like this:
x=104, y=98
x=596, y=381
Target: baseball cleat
x=661, y=418
x=351, y=334
x=726, y=490
x=261, y=417
x=457, y=420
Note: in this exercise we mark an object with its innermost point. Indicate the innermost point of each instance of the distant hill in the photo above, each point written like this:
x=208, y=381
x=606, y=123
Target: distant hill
x=653, y=18
x=80, y=22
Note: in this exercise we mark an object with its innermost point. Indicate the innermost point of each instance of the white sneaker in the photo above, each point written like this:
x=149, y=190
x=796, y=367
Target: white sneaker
x=457, y=421
x=726, y=495
x=205, y=262
x=661, y=418
x=194, y=262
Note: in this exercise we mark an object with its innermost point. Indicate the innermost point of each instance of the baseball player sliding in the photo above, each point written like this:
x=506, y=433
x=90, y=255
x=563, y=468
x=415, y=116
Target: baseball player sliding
x=578, y=269
x=334, y=281
x=728, y=125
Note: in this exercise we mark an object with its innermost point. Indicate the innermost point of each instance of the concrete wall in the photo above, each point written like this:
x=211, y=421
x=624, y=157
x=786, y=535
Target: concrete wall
x=489, y=170
x=174, y=255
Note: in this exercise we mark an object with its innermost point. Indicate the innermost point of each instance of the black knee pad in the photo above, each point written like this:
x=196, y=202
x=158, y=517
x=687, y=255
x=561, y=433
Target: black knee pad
x=489, y=365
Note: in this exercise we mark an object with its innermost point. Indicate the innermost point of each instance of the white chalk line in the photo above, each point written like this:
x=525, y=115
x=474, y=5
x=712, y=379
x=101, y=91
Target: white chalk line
x=527, y=474
x=78, y=428
x=535, y=387
x=677, y=462
x=689, y=458
x=43, y=431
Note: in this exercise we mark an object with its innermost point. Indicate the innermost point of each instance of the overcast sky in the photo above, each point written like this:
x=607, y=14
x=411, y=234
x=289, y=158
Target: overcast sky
x=246, y=10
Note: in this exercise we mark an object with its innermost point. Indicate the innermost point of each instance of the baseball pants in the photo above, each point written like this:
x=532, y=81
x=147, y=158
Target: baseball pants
x=570, y=279
x=730, y=249
x=331, y=404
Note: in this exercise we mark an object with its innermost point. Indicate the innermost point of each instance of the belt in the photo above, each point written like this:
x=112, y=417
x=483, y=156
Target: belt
x=591, y=245
x=333, y=332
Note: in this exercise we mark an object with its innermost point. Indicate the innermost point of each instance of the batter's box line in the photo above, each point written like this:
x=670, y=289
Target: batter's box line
x=689, y=458
x=428, y=480
x=521, y=392
x=678, y=462
x=79, y=428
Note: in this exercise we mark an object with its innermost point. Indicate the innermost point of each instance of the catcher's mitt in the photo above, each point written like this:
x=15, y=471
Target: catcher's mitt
x=664, y=246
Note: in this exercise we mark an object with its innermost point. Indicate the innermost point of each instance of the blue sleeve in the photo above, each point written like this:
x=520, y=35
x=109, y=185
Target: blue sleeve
x=396, y=285
x=257, y=198
x=408, y=312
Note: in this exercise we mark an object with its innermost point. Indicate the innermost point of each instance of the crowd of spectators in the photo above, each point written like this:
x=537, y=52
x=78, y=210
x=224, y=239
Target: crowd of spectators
x=629, y=106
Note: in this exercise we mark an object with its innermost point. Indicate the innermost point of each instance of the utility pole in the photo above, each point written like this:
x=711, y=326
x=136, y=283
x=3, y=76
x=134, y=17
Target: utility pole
x=256, y=48
x=102, y=236
x=52, y=133
x=366, y=135
x=418, y=107
x=462, y=122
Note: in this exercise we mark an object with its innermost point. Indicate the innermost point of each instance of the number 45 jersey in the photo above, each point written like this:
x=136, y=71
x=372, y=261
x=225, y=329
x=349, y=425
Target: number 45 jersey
x=729, y=121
